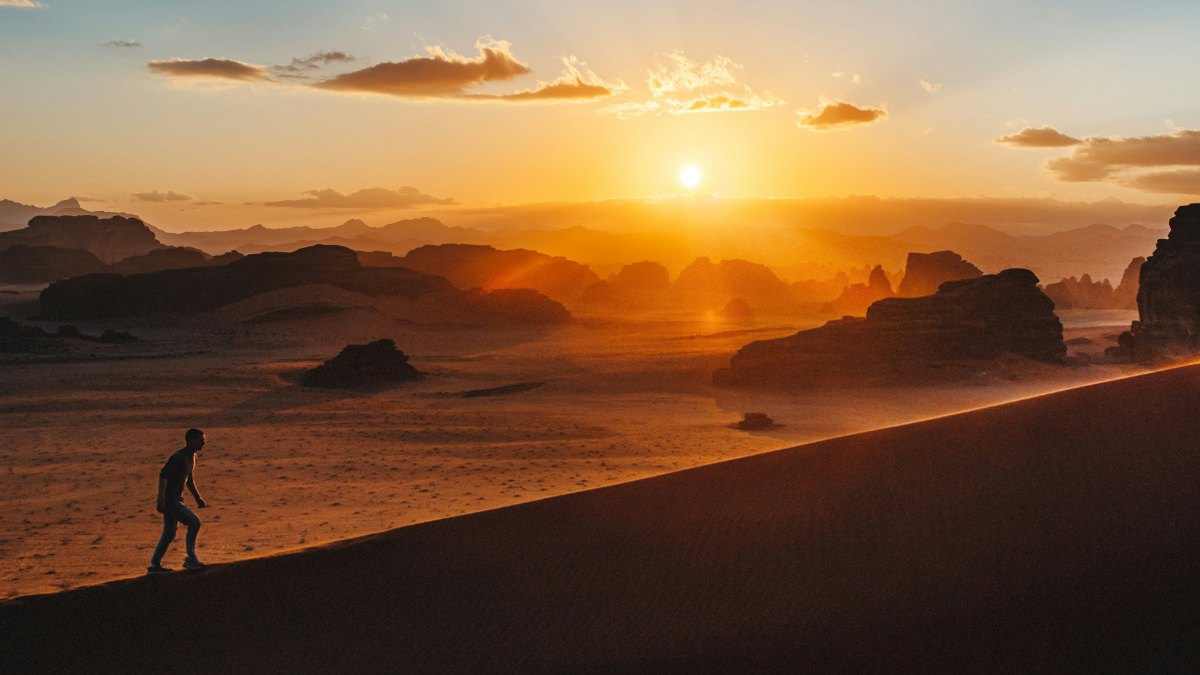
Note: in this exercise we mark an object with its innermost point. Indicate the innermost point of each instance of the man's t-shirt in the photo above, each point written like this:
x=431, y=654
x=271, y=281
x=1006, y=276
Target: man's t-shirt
x=176, y=472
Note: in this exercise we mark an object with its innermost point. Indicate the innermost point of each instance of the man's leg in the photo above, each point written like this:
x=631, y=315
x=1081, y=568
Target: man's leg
x=185, y=516
x=168, y=535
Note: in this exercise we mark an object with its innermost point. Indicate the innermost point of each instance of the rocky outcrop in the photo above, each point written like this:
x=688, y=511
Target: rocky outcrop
x=924, y=273
x=170, y=258
x=109, y=239
x=21, y=264
x=470, y=266
x=1082, y=293
x=373, y=364
x=713, y=284
x=945, y=336
x=1168, y=298
x=203, y=288
x=642, y=276
x=856, y=298
x=15, y=337
x=1125, y=297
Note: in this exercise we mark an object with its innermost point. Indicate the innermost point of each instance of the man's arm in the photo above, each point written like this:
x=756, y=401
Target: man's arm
x=162, y=493
x=191, y=485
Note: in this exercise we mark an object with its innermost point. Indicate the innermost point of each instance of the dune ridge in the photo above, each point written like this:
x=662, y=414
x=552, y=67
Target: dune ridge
x=1046, y=534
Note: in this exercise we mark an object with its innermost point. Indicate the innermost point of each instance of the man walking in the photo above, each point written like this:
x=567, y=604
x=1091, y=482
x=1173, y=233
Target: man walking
x=176, y=473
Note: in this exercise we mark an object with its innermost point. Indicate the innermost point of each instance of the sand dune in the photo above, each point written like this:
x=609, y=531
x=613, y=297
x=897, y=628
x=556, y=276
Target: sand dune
x=1056, y=533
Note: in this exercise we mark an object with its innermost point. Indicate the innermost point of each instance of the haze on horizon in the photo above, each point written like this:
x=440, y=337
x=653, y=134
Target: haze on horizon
x=209, y=117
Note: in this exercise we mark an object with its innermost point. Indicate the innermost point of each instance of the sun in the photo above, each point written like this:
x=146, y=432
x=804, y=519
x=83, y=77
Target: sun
x=690, y=176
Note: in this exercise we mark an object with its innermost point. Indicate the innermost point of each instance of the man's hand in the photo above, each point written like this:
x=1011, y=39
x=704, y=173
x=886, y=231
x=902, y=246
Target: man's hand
x=201, y=503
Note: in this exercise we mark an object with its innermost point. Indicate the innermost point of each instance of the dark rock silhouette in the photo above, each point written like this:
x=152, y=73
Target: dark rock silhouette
x=910, y=340
x=513, y=306
x=754, y=421
x=642, y=276
x=713, y=284
x=1168, y=298
x=21, y=264
x=738, y=309
x=109, y=239
x=856, y=298
x=170, y=258
x=1125, y=296
x=202, y=288
x=1082, y=293
x=639, y=285
x=15, y=337
x=924, y=273
x=471, y=266
x=371, y=364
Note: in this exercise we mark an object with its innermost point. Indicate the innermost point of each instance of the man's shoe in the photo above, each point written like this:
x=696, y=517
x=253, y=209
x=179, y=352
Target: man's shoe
x=158, y=569
x=192, y=564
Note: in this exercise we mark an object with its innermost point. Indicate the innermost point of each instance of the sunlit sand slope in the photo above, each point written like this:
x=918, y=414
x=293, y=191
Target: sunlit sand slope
x=1058, y=533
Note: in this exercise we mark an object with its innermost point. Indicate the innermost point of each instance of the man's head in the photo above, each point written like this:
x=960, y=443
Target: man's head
x=194, y=438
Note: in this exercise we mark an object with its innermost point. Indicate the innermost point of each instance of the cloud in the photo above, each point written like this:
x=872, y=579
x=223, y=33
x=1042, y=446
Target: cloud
x=33, y=4
x=156, y=196
x=928, y=86
x=442, y=74
x=207, y=203
x=370, y=198
x=854, y=78
x=1046, y=137
x=304, y=68
x=577, y=82
x=210, y=68
x=1162, y=163
x=682, y=86
x=376, y=22
x=121, y=43
x=838, y=115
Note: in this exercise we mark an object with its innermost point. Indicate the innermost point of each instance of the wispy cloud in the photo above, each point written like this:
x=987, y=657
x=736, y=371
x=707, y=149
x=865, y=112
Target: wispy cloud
x=370, y=198
x=577, y=82
x=32, y=4
x=854, y=78
x=1164, y=163
x=838, y=115
x=306, y=67
x=125, y=44
x=1045, y=137
x=161, y=197
x=376, y=22
x=678, y=85
x=931, y=87
x=210, y=68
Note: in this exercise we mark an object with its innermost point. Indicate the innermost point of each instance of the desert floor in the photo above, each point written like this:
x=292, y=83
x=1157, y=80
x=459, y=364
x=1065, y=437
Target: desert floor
x=83, y=433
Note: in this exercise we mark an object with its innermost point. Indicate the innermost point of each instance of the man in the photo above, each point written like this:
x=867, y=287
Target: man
x=176, y=473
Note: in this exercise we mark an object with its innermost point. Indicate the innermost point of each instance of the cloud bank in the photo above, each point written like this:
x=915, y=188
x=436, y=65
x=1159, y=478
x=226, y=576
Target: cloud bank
x=160, y=197
x=210, y=68
x=1046, y=137
x=370, y=198
x=1165, y=163
x=680, y=86
x=838, y=115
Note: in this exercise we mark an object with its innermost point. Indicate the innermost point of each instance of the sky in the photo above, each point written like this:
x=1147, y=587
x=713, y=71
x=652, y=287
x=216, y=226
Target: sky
x=227, y=113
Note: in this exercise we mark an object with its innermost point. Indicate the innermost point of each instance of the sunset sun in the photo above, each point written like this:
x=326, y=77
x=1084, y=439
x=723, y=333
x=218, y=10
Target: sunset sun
x=690, y=176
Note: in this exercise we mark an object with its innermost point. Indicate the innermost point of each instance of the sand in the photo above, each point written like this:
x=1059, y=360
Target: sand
x=1052, y=534
x=82, y=435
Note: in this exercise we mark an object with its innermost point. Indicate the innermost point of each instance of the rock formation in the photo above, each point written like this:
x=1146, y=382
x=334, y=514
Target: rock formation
x=1168, y=298
x=642, y=276
x=1125, y=297
x=170, y=258
x=924, y=273
x=366, y=365
x=21, y=264
x=470, y=266
x=713, y=284
x=109, y=239
x=15, y=337
x=1082, y=293
x=945, y=336
x=202, y=288
x=856, y=298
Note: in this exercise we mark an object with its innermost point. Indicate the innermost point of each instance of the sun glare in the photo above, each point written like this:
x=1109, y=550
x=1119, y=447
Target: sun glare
x=689, y=176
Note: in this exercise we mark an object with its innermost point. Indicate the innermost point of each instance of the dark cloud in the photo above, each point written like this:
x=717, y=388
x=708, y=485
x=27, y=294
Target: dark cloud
x=1124, y=161
x=210, y=68
x=1046, y=137
x=442, y=74
x=121, y=43
x=837, y=115
x=303, y=68
x=370, y=198
x=156, y=196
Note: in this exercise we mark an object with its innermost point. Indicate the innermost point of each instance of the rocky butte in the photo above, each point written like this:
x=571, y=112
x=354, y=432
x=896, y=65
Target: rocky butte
x=945, y=336
x=109, y=239
x=372, y=364
x=1168, y=298
x=924, y=273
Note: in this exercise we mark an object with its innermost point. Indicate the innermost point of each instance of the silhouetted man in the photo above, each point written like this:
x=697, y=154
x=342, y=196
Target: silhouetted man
x=176, y=473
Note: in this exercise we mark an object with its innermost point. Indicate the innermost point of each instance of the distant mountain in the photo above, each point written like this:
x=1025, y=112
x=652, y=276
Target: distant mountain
x=109, y=239
x=471, y=266
x=14, y=215
x=399, y=237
